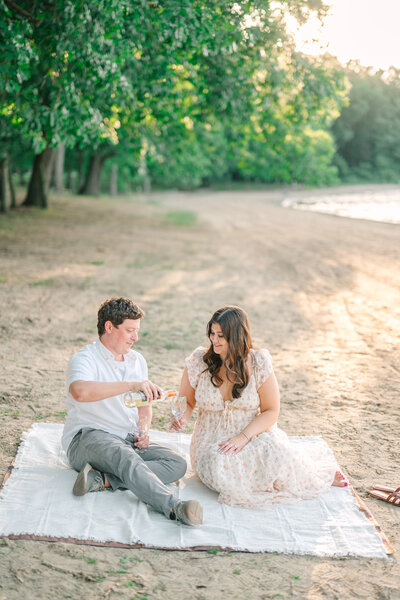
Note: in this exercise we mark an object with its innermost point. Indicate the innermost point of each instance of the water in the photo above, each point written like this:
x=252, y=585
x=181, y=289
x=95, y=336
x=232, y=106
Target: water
x=382, y=205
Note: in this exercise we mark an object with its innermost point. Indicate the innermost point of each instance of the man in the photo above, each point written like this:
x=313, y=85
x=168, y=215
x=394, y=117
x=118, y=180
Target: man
x=99, y=431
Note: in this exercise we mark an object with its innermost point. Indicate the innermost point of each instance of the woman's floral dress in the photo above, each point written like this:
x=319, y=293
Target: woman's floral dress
x=272, y=468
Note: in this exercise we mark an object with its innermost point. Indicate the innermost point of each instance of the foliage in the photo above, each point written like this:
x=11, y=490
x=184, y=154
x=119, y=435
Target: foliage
x=246, y=114
x=367, y=132
x=59, y=65
x=183, y=92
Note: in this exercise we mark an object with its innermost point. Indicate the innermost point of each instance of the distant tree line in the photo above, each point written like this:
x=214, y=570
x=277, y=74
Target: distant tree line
x=116, y=95
x=367, y=133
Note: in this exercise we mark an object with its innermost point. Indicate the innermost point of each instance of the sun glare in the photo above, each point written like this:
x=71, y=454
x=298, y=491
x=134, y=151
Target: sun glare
x=363, y=30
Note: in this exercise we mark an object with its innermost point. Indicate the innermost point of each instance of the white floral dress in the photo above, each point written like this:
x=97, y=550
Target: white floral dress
x=271, y=469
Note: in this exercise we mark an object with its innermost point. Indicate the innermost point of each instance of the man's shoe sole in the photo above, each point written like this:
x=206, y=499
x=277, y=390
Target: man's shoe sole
x=194, y=512
x=80, y=487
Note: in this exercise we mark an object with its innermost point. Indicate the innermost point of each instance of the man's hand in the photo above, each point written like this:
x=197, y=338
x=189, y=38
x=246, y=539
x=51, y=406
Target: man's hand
x=142, y=442
x=150, y=389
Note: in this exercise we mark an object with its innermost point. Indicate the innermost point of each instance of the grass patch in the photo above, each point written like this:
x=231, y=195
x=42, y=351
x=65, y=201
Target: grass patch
x=97, y=262
x=50, y=281
x=188, y=218
x=39, y=417
x=10, y=413
x=62, y=413
x=171, y=346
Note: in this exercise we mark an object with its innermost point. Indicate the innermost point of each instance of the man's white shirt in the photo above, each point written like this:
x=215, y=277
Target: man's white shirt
x=96, y=363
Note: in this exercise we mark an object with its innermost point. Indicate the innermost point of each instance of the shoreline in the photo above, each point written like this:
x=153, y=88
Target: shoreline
x=378, y=205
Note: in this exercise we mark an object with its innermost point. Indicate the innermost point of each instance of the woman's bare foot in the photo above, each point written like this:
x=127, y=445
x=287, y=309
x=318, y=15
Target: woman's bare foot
x=339, y=480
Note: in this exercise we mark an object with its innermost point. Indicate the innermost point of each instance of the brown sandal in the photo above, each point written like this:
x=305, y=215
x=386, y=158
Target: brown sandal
x=383, y=488
x=391, y=497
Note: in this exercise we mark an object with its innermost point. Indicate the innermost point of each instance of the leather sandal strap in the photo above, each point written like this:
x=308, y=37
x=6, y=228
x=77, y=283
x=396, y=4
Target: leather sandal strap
x=394, y=498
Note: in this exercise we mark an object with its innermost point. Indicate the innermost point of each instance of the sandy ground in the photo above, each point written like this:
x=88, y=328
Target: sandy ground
x=322, y=293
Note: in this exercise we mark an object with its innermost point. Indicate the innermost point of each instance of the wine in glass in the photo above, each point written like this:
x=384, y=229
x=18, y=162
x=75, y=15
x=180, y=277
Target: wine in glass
x=142, y=427
x=178, y=406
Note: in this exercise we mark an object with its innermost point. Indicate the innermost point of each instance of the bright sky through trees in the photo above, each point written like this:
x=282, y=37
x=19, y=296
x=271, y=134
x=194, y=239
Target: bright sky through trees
x=355, y=29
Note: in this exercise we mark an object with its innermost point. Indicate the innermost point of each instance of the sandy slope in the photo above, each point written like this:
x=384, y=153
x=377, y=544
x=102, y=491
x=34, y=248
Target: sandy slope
x=322, y=294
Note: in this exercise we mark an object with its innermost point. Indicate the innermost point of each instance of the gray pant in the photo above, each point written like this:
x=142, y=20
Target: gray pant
x=145, y=474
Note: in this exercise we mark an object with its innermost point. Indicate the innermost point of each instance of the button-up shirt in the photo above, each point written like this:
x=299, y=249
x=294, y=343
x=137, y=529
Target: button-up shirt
x=96, y=363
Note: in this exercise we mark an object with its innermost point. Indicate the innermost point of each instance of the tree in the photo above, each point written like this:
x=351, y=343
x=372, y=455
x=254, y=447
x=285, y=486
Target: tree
x=228, y=105
x=367, y=132
x=56, y=92
x=169, y=84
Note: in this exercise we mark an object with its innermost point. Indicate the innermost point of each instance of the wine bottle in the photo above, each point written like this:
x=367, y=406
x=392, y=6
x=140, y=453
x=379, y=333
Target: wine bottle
x=137, y=399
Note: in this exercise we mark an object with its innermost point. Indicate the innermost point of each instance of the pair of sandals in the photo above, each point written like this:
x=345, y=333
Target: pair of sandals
x=387, y=494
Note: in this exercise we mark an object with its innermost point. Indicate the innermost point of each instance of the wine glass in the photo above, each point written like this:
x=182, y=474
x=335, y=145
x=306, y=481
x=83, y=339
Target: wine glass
x=178, y=406
x=142, y=427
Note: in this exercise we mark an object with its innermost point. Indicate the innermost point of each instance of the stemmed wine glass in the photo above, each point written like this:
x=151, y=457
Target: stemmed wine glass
x=178, y=406
x=143, y=427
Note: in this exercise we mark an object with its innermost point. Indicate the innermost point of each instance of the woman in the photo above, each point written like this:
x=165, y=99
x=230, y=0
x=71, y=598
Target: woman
x=237, y=448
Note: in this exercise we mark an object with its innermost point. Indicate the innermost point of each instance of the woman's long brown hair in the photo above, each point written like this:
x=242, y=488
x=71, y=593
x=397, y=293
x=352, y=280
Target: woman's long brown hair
x=235, y=327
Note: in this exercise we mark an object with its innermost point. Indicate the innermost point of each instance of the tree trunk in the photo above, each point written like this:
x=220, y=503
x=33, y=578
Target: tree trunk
x=58, y=173
x=143, y=170
x=81, y=179
x=12, y=189
x=69, y=184
x=114, y=180
x=147, y=185
x=21, y=177
x=40, y=179
x=5, y=196
x=91, y=187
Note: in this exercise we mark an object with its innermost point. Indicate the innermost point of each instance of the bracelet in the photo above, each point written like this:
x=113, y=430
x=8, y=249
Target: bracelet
x=245, y=435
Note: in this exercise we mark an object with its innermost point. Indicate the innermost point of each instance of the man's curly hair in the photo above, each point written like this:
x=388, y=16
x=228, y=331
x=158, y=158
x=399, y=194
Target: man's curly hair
x=117, y=310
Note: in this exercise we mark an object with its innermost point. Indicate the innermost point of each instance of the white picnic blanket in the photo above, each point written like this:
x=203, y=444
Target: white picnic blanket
x=37, y=499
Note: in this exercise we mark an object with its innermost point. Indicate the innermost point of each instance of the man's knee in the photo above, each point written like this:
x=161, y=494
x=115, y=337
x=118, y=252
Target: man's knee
x=179, y=465
x=99, y=448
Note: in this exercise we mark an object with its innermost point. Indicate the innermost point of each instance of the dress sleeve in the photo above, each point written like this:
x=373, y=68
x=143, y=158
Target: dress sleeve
x=195, y=366
x=262, y=366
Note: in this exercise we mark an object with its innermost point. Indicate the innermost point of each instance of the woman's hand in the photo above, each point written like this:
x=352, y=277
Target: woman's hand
x=233, y=445
x=178, y=424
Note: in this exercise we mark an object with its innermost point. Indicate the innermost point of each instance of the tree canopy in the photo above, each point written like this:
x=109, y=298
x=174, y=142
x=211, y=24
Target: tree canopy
x=179, y=93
